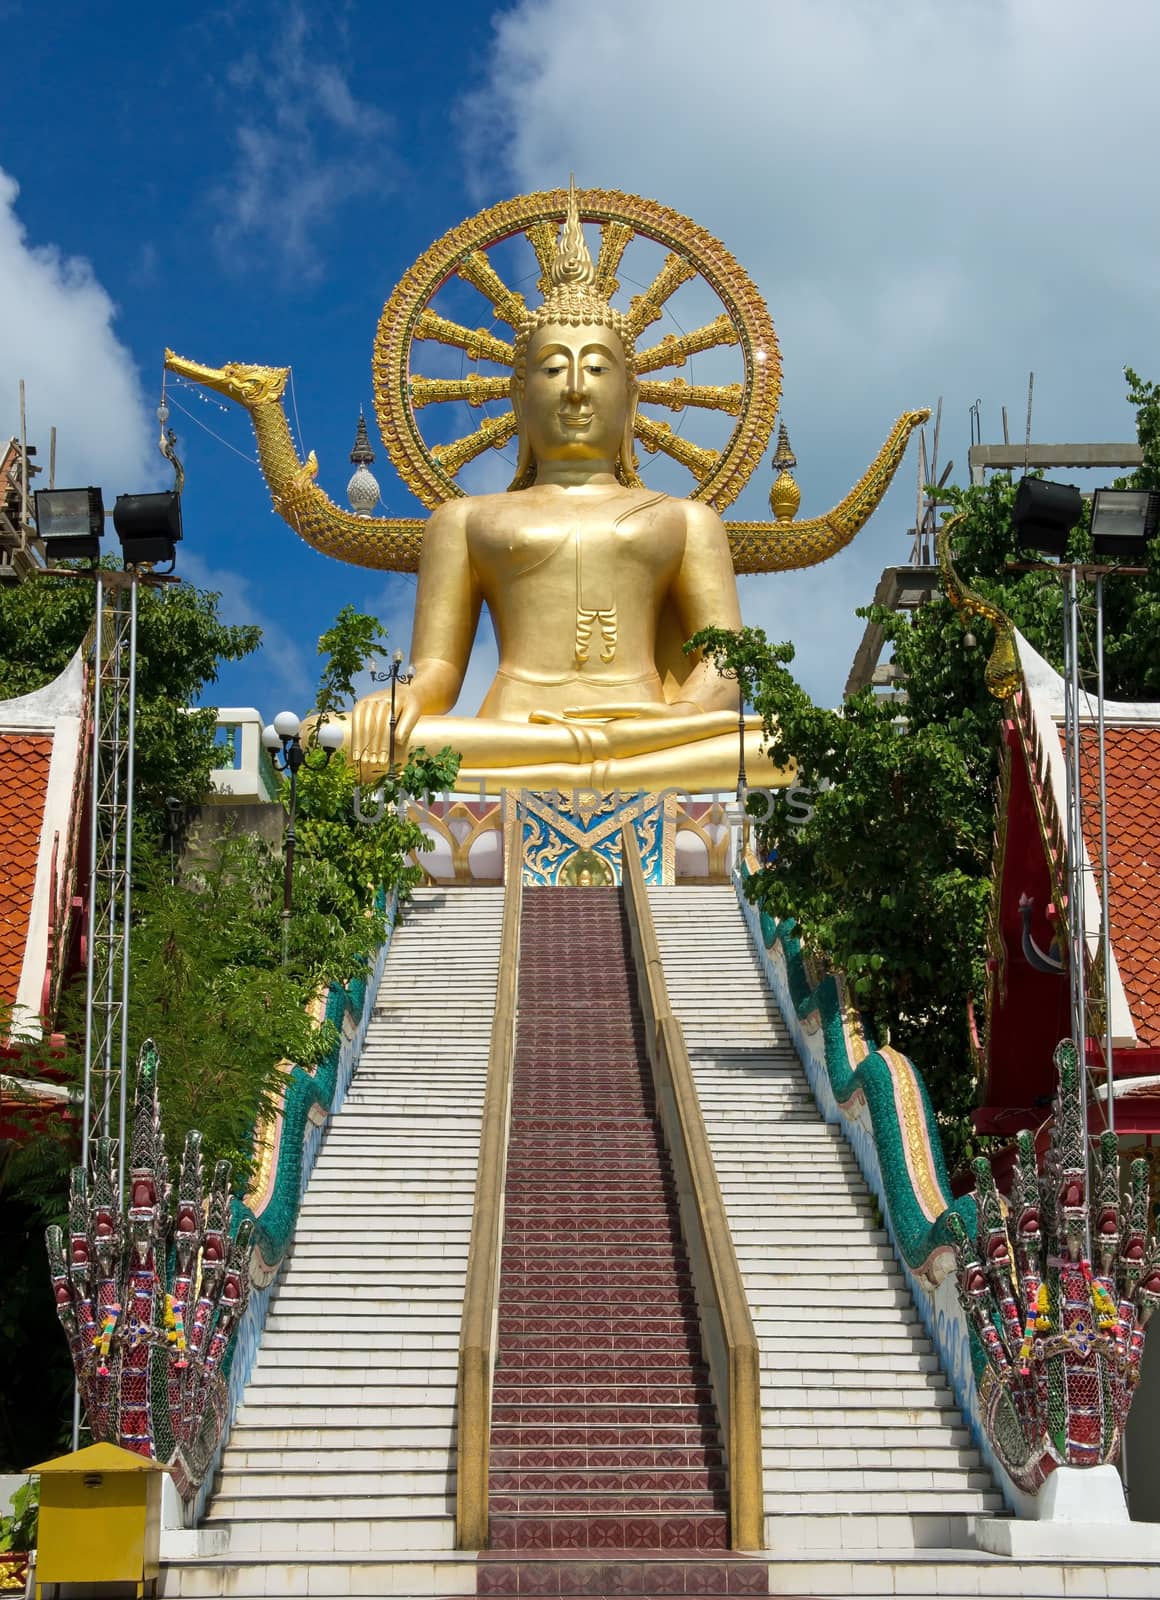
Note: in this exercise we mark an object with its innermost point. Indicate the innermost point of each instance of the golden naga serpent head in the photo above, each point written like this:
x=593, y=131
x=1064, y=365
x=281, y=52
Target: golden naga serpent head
x=246, y=385
x=1003, y=674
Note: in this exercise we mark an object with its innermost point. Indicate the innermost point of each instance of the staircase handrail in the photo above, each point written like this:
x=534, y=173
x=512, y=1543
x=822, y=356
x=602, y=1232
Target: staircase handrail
x=477, y=1336
x=286, y=1143
x=730, y=1339
x=861, y=1089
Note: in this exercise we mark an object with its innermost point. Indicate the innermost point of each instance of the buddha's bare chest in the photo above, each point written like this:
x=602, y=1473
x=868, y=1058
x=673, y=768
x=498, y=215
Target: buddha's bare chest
x=604, y=549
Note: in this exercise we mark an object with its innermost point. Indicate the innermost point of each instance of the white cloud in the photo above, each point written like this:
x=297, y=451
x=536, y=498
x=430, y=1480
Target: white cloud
x=59, y=337
x=305, y=146
x=933, y=200
x=290, y=675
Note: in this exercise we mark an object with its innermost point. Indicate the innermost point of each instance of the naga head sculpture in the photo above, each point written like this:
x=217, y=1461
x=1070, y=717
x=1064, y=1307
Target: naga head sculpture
x=247, y=386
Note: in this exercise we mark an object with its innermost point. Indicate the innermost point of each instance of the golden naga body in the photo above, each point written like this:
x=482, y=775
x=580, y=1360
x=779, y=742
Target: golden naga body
x=592, y=581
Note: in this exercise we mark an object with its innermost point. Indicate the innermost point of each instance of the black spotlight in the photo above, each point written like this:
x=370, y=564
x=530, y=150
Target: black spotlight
x=148, y=526
x=70, y=523
x=1045, y=513
x=1123, y=522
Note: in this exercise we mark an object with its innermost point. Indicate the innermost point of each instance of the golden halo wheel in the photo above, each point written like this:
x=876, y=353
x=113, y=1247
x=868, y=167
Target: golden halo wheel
x=408, y=319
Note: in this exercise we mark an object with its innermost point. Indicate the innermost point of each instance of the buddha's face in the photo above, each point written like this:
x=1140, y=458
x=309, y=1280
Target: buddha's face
x=576, y=394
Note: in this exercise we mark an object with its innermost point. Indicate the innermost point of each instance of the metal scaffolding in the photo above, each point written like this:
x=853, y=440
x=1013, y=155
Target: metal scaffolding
x=114, y=669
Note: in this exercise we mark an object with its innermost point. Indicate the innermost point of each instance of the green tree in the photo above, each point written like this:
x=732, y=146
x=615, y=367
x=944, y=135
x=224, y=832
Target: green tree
x=181, y=643
x=888, y=875
x=365, y=838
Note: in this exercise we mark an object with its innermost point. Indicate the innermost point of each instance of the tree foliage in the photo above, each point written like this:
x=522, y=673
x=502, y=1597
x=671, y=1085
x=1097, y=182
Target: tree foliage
x=181, y=641
x=888, y=870
x=208, y=982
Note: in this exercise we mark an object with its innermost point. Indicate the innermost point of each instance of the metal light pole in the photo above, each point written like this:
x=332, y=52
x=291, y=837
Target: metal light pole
x=1105, y=885
x=282, y=738
x=395, y=676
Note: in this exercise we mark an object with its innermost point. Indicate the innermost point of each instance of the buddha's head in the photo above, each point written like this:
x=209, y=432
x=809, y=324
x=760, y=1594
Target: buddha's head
x=573, y=388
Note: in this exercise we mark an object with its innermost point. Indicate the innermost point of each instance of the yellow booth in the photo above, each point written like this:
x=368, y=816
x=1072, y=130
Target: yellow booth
x=100, y=1518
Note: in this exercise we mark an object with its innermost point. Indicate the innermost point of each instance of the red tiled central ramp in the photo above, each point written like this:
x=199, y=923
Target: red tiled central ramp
x=607, y=1469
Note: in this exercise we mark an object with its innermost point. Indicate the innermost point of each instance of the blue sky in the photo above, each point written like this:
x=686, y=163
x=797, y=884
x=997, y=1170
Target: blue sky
x=932, y=201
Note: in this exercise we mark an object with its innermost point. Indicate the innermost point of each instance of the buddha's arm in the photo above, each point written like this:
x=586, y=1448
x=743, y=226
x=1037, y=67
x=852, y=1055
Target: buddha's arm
x=705, y=592
x=447, y=605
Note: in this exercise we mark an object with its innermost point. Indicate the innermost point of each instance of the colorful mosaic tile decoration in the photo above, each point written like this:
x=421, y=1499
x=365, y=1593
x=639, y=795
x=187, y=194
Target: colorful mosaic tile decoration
x=1054, y=1328
x=1059, y=1292
x=150, y=1290
x=572, y=837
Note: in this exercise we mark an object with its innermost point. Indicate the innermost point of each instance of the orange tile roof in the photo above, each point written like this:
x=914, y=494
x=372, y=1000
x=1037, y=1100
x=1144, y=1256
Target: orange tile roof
x=1133, y=776
x=24, y=762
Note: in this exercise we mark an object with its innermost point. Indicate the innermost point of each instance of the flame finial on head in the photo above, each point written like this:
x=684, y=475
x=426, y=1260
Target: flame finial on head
x=573, y=266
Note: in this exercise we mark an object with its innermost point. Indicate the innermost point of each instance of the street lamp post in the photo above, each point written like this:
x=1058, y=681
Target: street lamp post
x=394, y=675
x=283, y=739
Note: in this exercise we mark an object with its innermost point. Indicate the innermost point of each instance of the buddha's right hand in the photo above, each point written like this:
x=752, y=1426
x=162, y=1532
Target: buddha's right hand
x=368, y=739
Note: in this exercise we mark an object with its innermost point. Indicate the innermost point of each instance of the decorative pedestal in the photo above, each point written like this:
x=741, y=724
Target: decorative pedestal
x=572, y=837
x=1081, y=1516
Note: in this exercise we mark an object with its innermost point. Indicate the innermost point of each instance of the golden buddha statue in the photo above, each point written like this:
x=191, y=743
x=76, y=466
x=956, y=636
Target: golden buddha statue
x=592, y=581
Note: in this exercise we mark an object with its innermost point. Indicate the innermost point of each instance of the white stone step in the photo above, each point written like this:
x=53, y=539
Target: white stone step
x=339, y=1476
x=948, y=1574
x=400, y=1574
x=860, y=1430
x=356, y=1433
x=298, y=1532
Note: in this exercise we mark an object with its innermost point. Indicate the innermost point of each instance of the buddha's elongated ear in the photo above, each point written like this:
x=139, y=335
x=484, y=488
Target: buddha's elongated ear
x=626, y=461
x=525, y=465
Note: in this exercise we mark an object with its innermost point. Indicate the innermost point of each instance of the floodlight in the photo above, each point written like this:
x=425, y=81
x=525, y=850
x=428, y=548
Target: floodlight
x=148, y=526
x=1045, y=513
x=70, y=523
x=1123, y=521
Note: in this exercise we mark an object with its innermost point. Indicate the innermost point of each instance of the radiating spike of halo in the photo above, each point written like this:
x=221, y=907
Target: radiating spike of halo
x=542, y=237
x=491, y=434
x=647, y=307
x=477, y=342
x=615, y=237
x=674, y=349
x=508, y=304
x=676, y=394
x=659, y=436
x=475, y=389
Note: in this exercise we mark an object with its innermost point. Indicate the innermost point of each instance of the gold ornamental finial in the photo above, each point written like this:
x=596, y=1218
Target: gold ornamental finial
x=573, y=265
x=785, y=496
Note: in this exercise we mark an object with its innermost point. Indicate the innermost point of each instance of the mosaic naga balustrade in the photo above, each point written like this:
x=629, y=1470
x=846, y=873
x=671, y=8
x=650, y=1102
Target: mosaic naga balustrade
x=163, y=1292
x=150, y=1288
x=1058, y=1293
x=1041, y=1342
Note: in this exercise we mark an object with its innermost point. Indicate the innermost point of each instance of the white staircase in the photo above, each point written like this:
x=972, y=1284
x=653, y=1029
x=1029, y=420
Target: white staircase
x=872, y=1485
x=339, y=1476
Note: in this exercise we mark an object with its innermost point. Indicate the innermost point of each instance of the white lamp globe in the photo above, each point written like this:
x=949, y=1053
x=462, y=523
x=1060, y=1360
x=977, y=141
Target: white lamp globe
x=287, y=725
x=331, y=735
x=270, y=737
